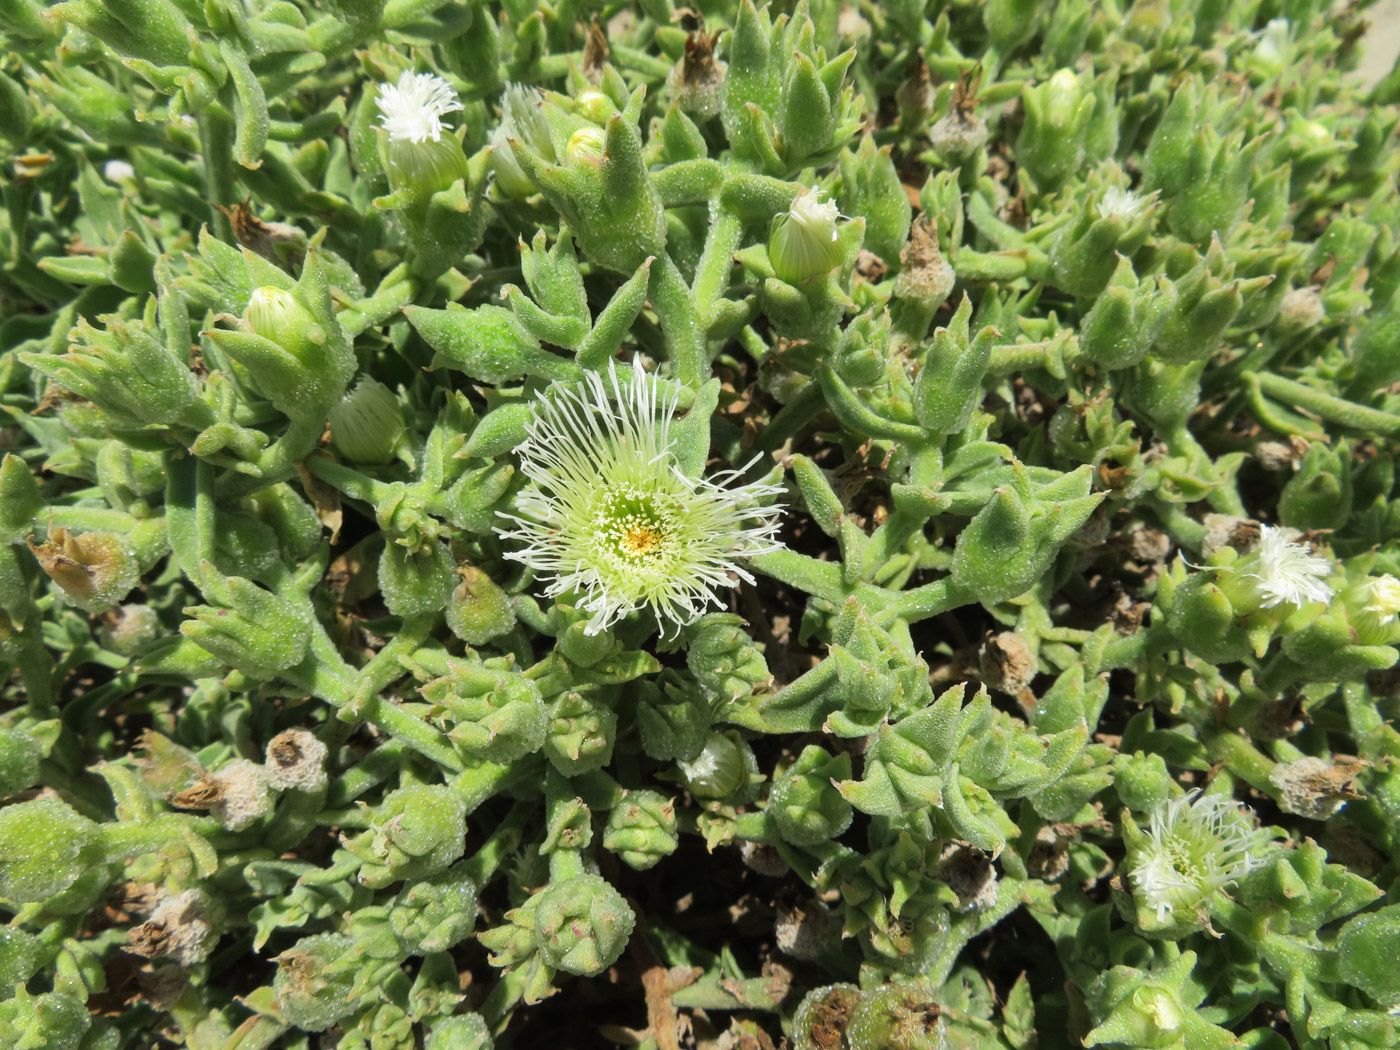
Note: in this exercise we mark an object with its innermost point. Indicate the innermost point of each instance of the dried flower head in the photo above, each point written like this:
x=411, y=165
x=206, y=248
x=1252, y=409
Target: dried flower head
x=296, y=759
x=1195, y=845
x=610, y=517
x=412, y=110
x=1287, y=571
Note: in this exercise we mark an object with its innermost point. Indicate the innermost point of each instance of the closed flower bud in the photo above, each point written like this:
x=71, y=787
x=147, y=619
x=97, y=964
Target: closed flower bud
x=497, y=716
x=314, y=981
x=581, y=733
x=582, y=925
x=296, y=761
x=804, y=804
x=673, y=718
x=1373, y=608
x=478, y=610
x=460, y=1032
x=252, y=630
x=585, y=146
x=641, y=829
x=367, y=424
x=725, y=768
x=45, y=847
x=522, y=122
x=435, y=914
x=1051, y=145
x=415, y=582
x=93, y=570
x=803, y=242
x=724, y=659
x=417, y=831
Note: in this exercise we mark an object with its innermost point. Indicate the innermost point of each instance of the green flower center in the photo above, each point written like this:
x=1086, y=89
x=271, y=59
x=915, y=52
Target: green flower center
x=633, y=526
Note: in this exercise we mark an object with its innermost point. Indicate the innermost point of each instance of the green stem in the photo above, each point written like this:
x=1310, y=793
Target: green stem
x=505, y=837
x=1240, y=756
x=1333, y=409
x=216, y=144
x=819, y=578
x=793, y=417
x=685, y=338
x=717, y=261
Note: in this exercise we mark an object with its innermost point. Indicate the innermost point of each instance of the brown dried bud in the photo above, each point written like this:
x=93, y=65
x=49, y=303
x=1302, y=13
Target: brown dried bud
x=1223, y=530
x=763, y=858
x=969, y=873
x=95, y=570
x=925, y=276
x=807, y=930
x=235, y=796
x=296, y=759
x=1007, y=663
x=180, y=928
x=1313, y=788
x=698, y=78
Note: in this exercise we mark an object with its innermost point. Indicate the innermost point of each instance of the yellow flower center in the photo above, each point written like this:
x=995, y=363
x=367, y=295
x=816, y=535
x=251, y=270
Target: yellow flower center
x=641, y=540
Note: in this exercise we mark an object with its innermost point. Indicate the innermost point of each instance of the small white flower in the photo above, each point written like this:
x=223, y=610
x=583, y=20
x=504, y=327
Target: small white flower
x=1384, y=598
x=813, y=215
x=1287, y=572
x=116, y=170
x=1196, y=846
x=1120, y=203
x=609, y=517
x=412, y=110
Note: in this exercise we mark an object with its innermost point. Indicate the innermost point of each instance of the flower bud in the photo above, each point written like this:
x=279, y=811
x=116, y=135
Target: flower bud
x=435, y=914
x=804, y=803
x=252, y=630
x=582, y=925
x=673, y=718
x=585, y=146
x=1142, y=781
x=416, y=832
x=314, y=981
x=803, y=241
x=45, y=847
x=277, y=315
x=415, y=582
x=641, y=829
x=1052, y=141
x=128, y=372
x=581, y=733
x=296, y=761
x=94, y=570
x=724, y=659
x=497, y=716
x=478, y=610
x=725, y=768
x=460, y=1032
x=367, y=424
x=521, y=121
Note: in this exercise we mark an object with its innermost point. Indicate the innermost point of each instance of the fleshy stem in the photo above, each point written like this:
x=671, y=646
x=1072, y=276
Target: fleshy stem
x=1333, y=409
x=216, y=145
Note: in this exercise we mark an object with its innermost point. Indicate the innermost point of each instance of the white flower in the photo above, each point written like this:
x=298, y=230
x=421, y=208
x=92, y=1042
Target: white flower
x=116, y=170
x=1384, y=598
x=1120, y=203
x=610, y=518
x=1287, y=572
x=1195, y=846
x=412, y=110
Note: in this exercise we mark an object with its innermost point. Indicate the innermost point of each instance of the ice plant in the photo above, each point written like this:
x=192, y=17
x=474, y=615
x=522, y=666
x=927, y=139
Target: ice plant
x=610, y=517
x=1194, y=846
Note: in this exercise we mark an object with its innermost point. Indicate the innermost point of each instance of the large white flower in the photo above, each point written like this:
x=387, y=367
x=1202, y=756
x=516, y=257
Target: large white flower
x=1287, y=571
x=609, y=517
x=412, y=110
x=1195, y=845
